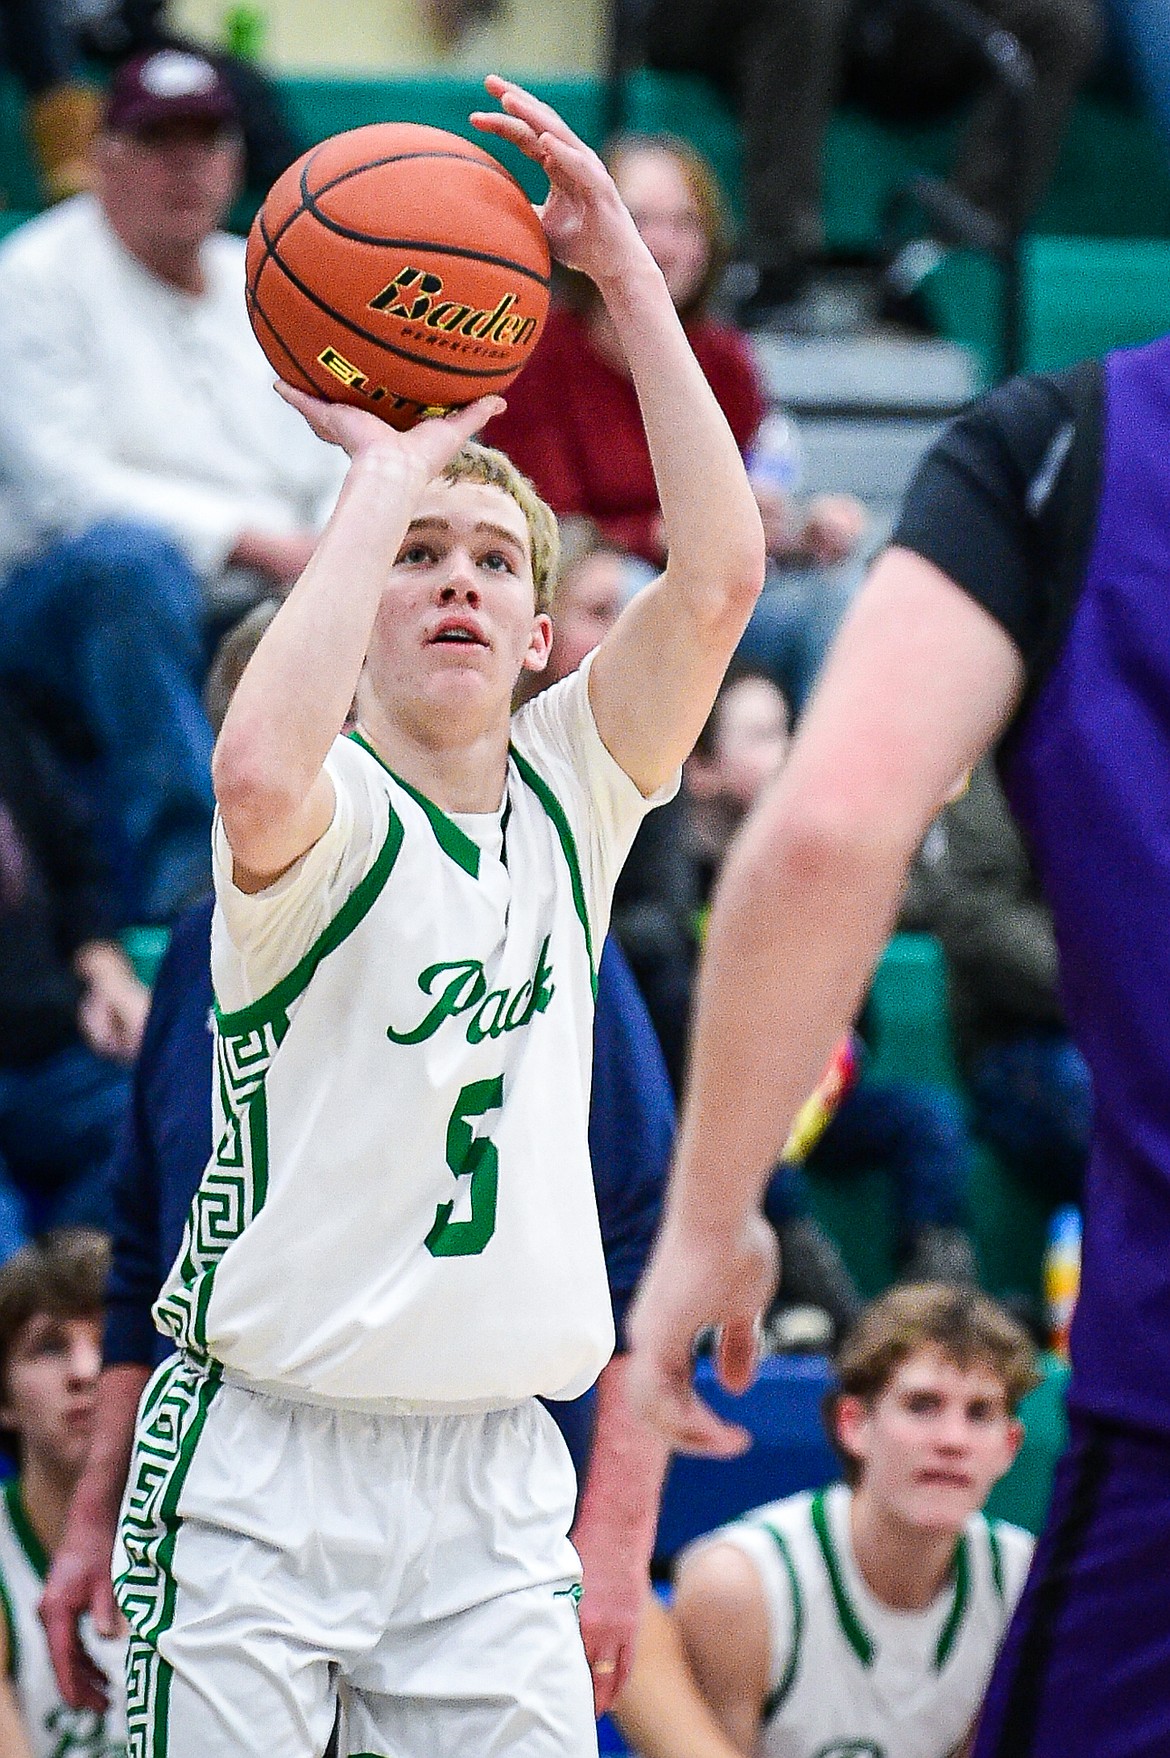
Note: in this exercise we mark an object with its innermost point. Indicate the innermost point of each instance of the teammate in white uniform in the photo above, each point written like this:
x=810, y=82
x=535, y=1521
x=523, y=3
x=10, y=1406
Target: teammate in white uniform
x=862, y=1621
x=344, y=1479
x=50, y=1355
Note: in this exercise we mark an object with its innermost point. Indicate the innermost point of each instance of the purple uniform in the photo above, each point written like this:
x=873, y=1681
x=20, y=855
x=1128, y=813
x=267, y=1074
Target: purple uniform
x=1050, y=503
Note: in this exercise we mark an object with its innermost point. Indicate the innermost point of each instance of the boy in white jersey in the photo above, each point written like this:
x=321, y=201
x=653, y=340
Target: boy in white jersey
x=50, y=1354
x=863, y=1621
x=344, y=1478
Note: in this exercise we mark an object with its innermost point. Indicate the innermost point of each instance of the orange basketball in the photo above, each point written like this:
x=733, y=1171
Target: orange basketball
x=399, y=268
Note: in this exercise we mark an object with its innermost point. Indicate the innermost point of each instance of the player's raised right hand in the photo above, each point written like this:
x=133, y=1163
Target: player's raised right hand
x=425, y=449
x=697, y=1281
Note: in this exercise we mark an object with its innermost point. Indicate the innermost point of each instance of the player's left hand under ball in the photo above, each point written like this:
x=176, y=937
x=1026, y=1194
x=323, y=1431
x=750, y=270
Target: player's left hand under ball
x=585, y=220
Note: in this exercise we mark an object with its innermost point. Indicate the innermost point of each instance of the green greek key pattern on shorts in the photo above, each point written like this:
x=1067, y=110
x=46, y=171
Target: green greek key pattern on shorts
x=233, y=1188
x=173, y=1413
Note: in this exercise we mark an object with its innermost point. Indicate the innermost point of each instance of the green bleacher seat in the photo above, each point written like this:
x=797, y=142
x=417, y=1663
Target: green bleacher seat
x=145, y=947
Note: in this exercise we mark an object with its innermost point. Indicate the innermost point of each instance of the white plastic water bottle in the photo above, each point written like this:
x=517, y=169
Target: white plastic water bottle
x=775, y=457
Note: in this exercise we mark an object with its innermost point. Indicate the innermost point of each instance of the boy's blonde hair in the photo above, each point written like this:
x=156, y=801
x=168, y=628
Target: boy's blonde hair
x=476, y=463
x=965, y=1325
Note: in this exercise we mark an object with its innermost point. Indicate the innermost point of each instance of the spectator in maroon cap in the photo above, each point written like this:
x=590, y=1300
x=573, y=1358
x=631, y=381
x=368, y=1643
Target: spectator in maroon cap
x=149, y=477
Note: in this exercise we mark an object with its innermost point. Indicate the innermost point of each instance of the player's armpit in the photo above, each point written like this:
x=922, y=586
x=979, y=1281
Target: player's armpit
x=266, y=835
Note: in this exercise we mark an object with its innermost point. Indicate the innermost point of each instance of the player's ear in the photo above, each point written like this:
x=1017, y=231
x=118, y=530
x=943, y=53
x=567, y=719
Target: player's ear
x=1013, y=1441
x=539, y=642
x=851, y=1421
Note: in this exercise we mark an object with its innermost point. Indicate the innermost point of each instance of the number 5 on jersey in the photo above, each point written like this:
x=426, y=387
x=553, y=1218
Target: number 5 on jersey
x=474, y=1157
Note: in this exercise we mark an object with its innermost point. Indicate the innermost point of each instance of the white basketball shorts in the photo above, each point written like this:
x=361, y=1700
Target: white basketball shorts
x=271, y=1553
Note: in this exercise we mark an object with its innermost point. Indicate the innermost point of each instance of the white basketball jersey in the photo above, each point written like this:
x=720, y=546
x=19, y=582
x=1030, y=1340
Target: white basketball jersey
x=851, y=1677
x=54, y=1730
x=400, y=1206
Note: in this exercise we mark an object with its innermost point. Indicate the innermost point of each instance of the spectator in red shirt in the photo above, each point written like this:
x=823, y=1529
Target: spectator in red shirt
x=572, y=422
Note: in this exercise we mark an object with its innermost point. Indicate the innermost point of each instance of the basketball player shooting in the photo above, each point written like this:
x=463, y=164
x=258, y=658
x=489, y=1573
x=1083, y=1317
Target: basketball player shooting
x=343, y=1477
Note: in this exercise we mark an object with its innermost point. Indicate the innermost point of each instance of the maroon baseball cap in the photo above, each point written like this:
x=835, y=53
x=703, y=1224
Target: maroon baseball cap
x=168, y=85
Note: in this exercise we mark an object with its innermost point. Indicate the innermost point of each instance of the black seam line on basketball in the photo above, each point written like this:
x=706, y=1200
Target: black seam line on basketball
x=256, y=310
x=309, y=206
x=486, y=164
x=437, y=363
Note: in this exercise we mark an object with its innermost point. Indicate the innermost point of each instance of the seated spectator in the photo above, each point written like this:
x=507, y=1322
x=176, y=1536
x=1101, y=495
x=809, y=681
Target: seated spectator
x=149, y=476
x=864, y=1618
x=781, y=62
x=71, y=1008
x=1031, y=1093
x=572, y=422
x=915, y=1132
x=50, y=1354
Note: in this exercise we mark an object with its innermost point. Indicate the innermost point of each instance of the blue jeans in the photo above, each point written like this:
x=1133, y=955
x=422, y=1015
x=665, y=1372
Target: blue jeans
x=917, y=1134
x=1032, y=1100
x=111, y=621
x=59, y=1122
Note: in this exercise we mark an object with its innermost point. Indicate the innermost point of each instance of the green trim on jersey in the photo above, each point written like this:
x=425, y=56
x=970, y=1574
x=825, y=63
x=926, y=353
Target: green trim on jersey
x=851, y=1625
x=563, y=829
x=996, y=1550
x=776, y=1697
x=453, y=841
x=172, y=1420
x=234, y=1186
x=8, y=1613
x=357, y=905
x=950, y=1630
x=855, y=1633
x=35, y=1553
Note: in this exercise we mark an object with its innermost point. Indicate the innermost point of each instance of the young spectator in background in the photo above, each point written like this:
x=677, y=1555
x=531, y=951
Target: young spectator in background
x=71, y=1008
x=1030, y=1088
x=50, y=1354
x=572, y=422
x=914, y=1132
x=148, y=473
x=863, y=1619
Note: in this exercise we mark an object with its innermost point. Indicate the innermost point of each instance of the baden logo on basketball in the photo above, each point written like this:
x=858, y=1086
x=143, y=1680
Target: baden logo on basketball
x=415, y=296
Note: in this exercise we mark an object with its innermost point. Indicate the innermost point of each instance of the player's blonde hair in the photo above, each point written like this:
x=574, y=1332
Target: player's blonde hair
x=966, y=1326
x=476, y=463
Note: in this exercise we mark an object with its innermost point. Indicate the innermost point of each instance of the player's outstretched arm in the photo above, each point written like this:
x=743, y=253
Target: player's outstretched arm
x=293, y=699
x=918, y=683
x=657, y=672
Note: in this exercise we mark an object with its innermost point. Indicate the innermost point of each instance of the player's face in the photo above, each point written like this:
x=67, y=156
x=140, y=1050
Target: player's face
x=654, y=187
x=168, y=189
x=589, y=602
x=934, y=1442
x=53, y=1369
x=456, y=625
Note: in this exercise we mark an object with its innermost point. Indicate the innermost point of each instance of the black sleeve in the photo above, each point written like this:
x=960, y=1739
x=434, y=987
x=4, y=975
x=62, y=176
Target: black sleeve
x=1003, y=503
